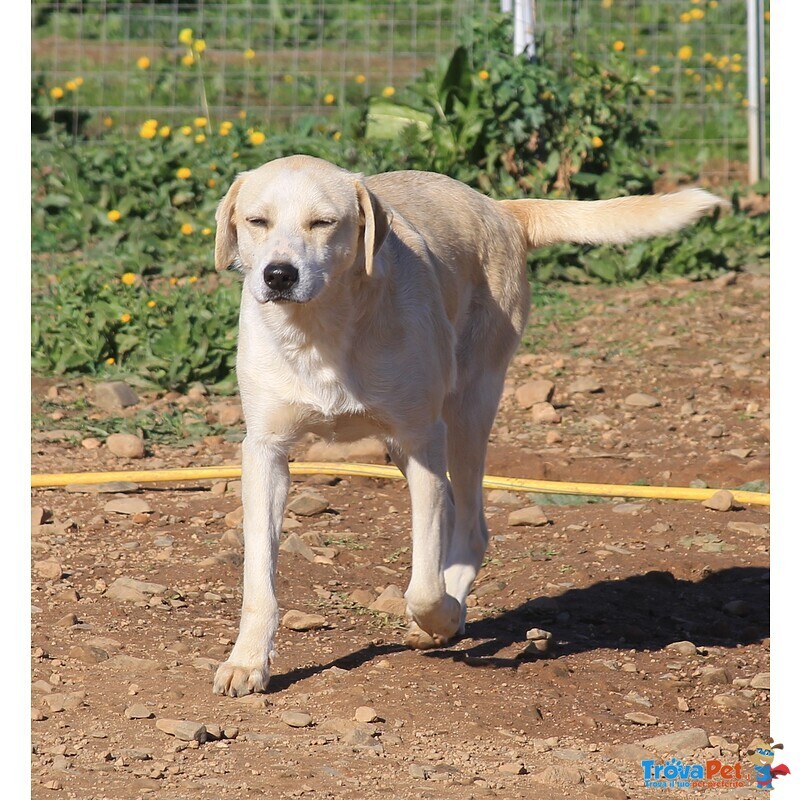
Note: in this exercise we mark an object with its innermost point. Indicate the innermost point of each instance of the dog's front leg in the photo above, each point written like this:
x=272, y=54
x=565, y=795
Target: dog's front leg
x=436, y=616
x=265, y=486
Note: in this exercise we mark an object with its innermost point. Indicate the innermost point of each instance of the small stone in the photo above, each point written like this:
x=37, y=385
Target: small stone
x=368, y=449
x=125, y=445
x=512, y=768
x=296, y=719
x=390, y=601
x=362, y=597
x=714, y=676
x=500, y=497
x=300, y=621
x=685, y=648
x=52, y=784
x=760, y=681
x=88, y=654
x=628, y=508
x=607, y=790
x=109, y=487
x=128, y=506
x=683, y=705
x=732, y=702
x=295, y=544
x=715, y=432
x=544, y=413
x=533, y=392
x=67, y=621
x=530, y=515
x=366, y=714
x=114, y=395
x=557, y=774
x=233, y=537
x=640, y=718
x=48, y=570
x=585, y=385
x=64, y=701
x=750, y=528
x=721, y=500
x=685, y=741
x=229, y=415
x=308, y=504
x=552, y=437
x=138, y=711
x=39, y=515
x=91, y=443
x=641, y=400
x=183, y=729
x=145, y=587
x=233, y=519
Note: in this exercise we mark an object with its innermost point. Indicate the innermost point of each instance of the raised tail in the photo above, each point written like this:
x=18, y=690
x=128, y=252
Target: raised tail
x=616, y=221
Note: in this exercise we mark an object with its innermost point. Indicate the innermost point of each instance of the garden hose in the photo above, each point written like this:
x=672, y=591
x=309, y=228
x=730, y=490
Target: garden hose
x=390, y=472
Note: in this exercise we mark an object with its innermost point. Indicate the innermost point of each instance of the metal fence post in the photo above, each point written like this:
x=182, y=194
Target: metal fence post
x=524, y=25
x=756, y=106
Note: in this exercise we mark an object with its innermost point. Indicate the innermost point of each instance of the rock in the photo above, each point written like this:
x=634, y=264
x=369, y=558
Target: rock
x=606, y=790
x=361, y=596
x=715, y=432
x=300, y=621
x=685, y=741
x=134, y=665
x=684, y=648
x=233, y=537
x=541, y=641
x=585, y=385
x=308, y=504
x=144, y=587
x=125, y=445
x=183, y=729
x=369, y=450
x=641, y=400
x=557, y=774
x=544, y=413
x=390, y=601
x=683, y=705
x=500, y=497
x=628, y=508
x=124, y=594
x=296, y=719
x=128, y=505
x=39, y=515
x=91, y=443
x=720, y=501
x=114, y=395
x=67, y=621
x=530, y=515
x=233, y=519
x=88, y=654
x=750, y=528
x=366, y=714
x=533, y=392
x=49, y=569
x=640, y=718
x=138, y=711
x=629, y=752
x=64, y=701
x=228, y=415
x=760, y=681
x=109, y=487
x=714, y=676
x=294, y=544
x=732, y=702
x=512, y=768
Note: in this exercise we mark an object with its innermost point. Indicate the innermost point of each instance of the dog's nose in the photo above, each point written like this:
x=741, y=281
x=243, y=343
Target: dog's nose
x=280, y=277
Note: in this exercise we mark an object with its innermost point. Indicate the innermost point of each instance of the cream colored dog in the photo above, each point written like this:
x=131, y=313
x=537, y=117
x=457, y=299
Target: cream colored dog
x=388, y=306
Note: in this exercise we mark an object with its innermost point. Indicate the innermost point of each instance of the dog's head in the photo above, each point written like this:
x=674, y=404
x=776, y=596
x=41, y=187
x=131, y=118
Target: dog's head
x=295, y=225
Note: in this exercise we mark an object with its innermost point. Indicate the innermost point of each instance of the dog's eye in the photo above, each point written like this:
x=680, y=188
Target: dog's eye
x=322, y=223
x=259, y=222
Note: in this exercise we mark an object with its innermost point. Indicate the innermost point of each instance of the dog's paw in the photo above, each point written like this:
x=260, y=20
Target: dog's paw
x=236, y=680
x=419, y=639
x=435, y=625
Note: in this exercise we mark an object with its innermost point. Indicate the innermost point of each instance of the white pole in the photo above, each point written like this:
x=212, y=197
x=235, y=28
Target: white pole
x=756, y=127
x=506, y=6
x=524, y=24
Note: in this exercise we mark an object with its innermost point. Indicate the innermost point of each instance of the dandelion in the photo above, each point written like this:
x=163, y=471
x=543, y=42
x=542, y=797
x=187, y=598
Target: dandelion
x=193, y=279
x=56, y=93
x=685, y=17
x=697, y=13
x=257, y=138
x=129, y=278
x=388, y=91
x=712, y=3
x=337, y=135
x=618, y=46
x=546, y=95
x=597, y=142
x=736, y=57
x=288, y=78
x=329, y=99
x=173, y=281
x=183, y=173
x=655, y=69
x=200, y=122
x=200, y=138
x=360, y=78
x=186, y=130
x=206, y=231
x=79, y=82
x=71, y=86
x=736, y=67
x=125, y=318
x=114, y=215
x=188, y=59
x=483, y=75
x=723, y=62
x=708, y=58
x=242, y=114
x=225, y=128
x=143, y=62
x=650, y=92
x=685, y=53
x=607, y=3
x=249, y=54
x=149, y=129
x=640, y=51
x=186, y=36
x=108, y=122
x=110, y=360
x=199, y=46
x=164, y=131
x=187, y=228
x=211, y=183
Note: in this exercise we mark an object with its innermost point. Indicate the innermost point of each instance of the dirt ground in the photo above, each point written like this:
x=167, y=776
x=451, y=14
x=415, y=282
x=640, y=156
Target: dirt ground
x=615, y=583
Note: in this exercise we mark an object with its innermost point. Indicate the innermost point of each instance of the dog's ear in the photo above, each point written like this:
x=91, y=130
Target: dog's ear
x=226, y=244
x=377, y=222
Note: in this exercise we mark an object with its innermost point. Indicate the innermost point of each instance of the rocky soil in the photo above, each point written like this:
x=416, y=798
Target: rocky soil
x=600, y=633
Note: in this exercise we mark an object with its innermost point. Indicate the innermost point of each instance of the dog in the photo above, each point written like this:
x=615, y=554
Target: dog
x=387, y=306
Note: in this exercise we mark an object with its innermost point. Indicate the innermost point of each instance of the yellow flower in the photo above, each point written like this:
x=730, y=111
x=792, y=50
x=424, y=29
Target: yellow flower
x=328, y=99
x=288, y=78
x=147, y=132
x=110, y=360
x=173, y=281
x=129, y=278
x=483, y=75
x=712, y=3
x=164, y=131
x=211, y=183
x=736, y=67
x=597, y=141
x=199, y=46
x=650, y=92
x=723, y=62
x=206, y=231
x=697, y=13
x=607, y=3
x=618, y=46
x=685, y=17
x=388, y=91
x=56, y=93
x=186, y=36
x=546, y=95
x=655, y=69
x=79, y=81
x=151, y=303
x=640, y=51
x=200, y=138
x=143, y=62
x=200, y=122
x=257, y=137
x=242, y=114
x=708, y=58
x=183, y=173
x=187, y=228
x=186, y=130
x=685, y=53
x=249, y=54
x=188, y=60
x=193, y=279
x=114, y=215
x=108, y=122
x=337, y=135
x=71, y=86
x=125, y=318
x=737, y=57
x=361, y=78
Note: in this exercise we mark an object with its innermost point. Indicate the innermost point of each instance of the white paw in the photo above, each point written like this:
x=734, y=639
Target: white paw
x=237, y=680
x=434, y=626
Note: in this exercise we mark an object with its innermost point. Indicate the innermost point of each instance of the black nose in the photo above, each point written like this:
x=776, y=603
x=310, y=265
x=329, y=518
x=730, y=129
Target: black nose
x=280, y=277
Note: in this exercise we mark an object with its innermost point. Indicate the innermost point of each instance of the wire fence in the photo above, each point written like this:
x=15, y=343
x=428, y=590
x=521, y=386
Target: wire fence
x=119, y=62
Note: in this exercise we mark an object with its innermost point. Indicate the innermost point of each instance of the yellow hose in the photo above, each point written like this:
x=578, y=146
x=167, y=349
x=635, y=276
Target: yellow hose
x=386, y=471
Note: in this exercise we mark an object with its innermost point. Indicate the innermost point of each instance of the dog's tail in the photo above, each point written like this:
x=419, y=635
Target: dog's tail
x=617, y=221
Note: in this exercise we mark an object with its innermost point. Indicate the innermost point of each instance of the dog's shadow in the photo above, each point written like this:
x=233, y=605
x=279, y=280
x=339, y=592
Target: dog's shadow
x=641, y=612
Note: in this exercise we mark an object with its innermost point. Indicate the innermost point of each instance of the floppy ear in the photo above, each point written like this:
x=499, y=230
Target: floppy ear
x=377, y=223
x=226, y=245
